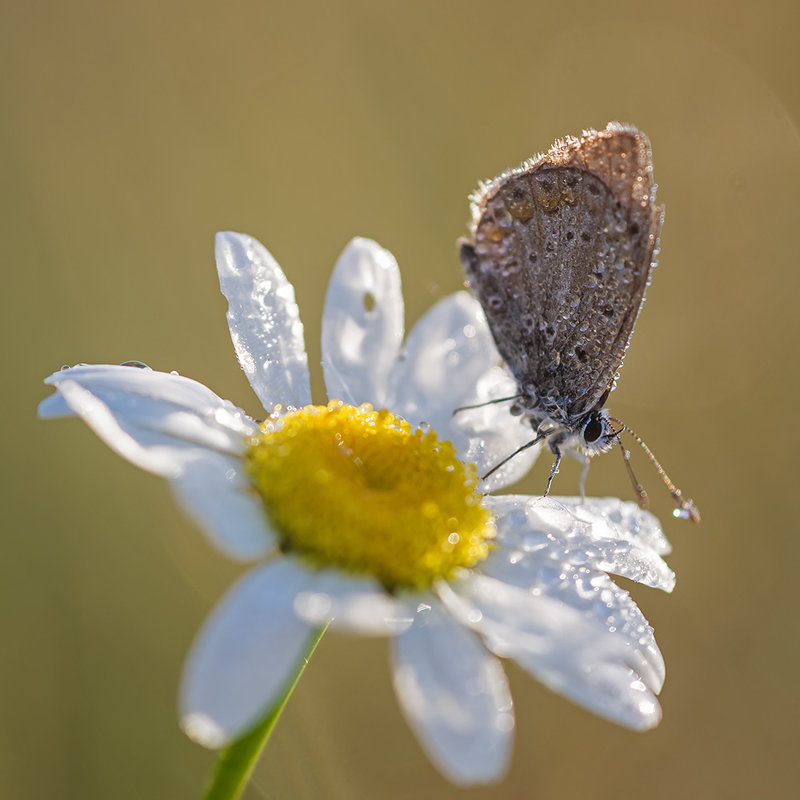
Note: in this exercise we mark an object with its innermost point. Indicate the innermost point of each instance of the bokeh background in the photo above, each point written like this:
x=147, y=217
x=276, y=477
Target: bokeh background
x=131, y=131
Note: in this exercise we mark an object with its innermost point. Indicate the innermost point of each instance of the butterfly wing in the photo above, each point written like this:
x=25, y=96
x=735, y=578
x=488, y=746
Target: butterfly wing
x=561, y=256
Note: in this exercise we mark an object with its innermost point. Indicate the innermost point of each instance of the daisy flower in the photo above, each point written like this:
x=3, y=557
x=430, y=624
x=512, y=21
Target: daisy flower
x=375, y=522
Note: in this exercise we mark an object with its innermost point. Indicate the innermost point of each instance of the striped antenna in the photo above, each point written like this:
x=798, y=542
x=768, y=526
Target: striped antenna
x=685, y=509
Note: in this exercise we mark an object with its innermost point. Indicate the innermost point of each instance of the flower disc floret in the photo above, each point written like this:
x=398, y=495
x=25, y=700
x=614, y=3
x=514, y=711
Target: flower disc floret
x=360, y=490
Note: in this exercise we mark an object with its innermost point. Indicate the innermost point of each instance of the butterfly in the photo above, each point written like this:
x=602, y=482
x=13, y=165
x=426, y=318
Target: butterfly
x=560, y=257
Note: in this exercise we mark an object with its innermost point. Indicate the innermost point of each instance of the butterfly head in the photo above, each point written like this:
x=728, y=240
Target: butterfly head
x=596, y=433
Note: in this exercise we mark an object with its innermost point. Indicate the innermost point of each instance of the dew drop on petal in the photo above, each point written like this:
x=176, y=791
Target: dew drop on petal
x=313, y=604
x=505, y=723
x=201, y=728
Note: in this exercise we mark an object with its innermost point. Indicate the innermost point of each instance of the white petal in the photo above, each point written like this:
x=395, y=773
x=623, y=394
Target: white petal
x=180, y=430
x=455, y=697
x=156, y=408
x=264, y=321
x=625, y=620
x=445, y=354
x=215, y=493
x=158, y=421
x=145, y=383
x=609, y=689
x=352, y=604
x=544, y=547
x=572, y=532
x=596, y=600
x=624, y=520
x=161, y=459
x=559, y=646
x=54, y=406
x=362, y=324
x=510, y=617
x=449, y=362
x=494, y=434
x=244, y=655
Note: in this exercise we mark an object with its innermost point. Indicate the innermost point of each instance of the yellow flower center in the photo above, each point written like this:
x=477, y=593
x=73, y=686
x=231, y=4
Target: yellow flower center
x=360, y=490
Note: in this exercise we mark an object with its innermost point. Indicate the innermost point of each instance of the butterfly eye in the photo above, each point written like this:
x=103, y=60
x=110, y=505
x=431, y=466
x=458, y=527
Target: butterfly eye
x=593, y=429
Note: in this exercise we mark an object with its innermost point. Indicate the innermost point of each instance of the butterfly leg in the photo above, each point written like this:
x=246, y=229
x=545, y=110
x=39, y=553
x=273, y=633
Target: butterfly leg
x=554, y=469
x=586, y=461
x=582, y=481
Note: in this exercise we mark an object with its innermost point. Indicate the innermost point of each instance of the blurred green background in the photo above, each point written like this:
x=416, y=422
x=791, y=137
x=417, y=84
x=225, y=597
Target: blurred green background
x=132, y=131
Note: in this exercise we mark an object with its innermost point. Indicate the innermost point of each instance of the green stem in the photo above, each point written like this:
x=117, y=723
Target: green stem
x=237, y=761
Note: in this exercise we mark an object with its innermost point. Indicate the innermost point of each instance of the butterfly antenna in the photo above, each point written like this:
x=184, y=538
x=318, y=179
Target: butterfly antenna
x=641, y=493
x=519, y=450
x=488, y=403
x=685, y=508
